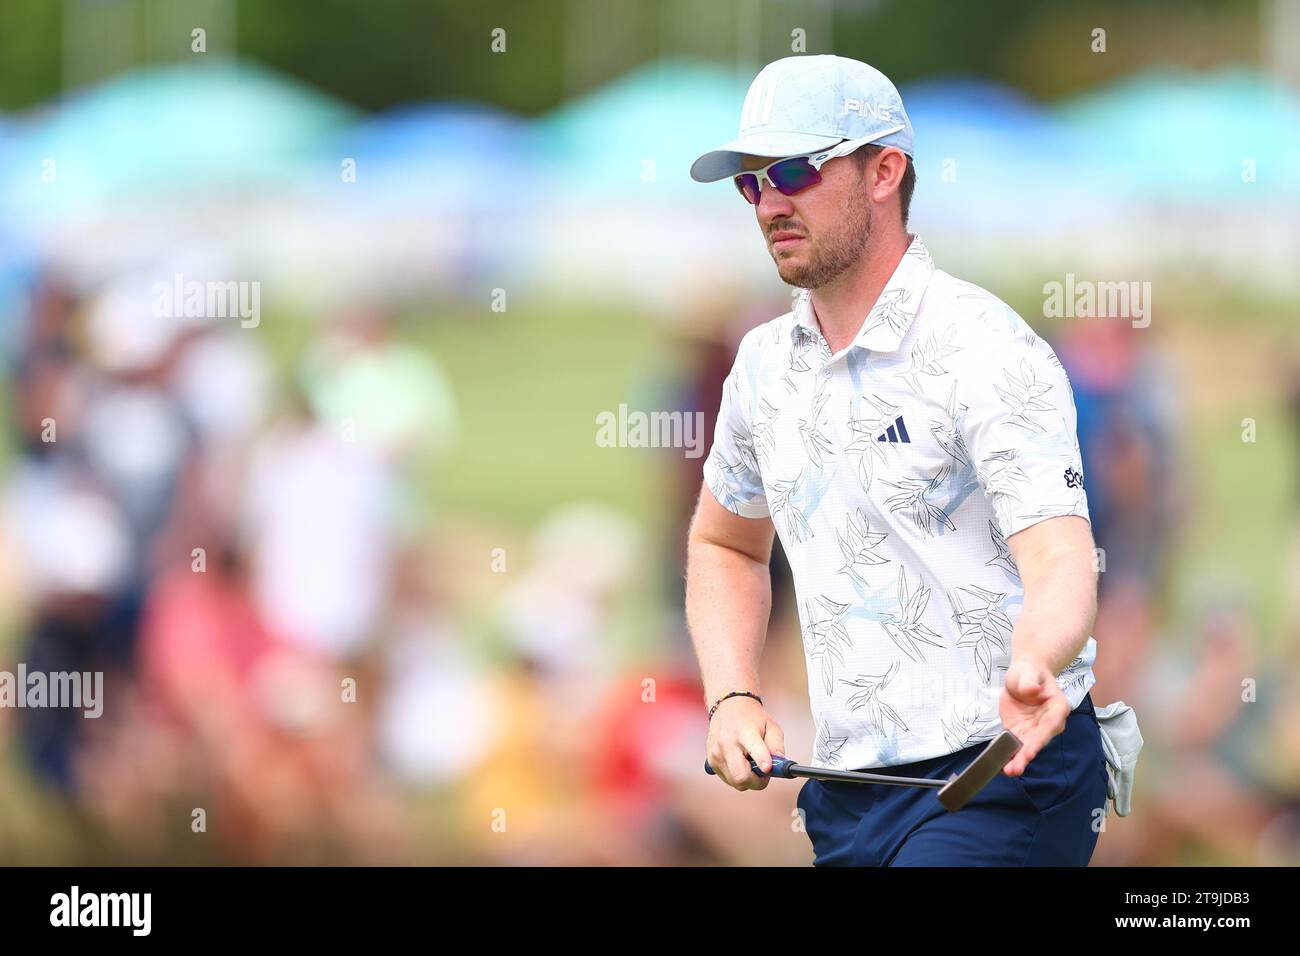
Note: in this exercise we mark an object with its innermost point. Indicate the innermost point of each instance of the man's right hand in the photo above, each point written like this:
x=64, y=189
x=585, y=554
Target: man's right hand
x=740, y=729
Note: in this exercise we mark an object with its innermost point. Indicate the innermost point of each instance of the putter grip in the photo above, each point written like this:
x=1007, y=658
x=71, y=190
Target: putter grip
x=780, y=767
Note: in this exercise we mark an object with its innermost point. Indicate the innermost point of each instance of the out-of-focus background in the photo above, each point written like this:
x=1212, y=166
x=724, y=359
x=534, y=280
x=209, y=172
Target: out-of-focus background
x=309, y=312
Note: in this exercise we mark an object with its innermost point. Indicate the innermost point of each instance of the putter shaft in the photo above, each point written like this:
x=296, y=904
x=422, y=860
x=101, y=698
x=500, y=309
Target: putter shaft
x=787, y=768
x=862, y=776
x=954, y=793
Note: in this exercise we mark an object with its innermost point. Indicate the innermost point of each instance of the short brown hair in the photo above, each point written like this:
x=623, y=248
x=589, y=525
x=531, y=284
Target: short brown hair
x=905, y=188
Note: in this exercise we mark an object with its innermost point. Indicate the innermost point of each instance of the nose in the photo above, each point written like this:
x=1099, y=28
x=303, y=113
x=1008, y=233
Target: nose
x=772, y=203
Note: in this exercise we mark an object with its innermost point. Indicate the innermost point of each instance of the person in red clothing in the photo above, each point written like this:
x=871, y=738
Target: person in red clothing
x=284, y=758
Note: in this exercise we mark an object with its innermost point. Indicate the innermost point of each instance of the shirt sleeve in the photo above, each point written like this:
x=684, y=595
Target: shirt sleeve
x=1016, y=415
x=731, y=470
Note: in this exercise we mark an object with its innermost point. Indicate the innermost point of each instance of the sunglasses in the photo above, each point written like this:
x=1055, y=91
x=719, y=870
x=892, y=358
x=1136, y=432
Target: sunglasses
x=797, y=173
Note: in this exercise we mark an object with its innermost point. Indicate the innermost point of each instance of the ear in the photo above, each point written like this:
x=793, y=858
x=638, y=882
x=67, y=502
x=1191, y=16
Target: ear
x=886, y=173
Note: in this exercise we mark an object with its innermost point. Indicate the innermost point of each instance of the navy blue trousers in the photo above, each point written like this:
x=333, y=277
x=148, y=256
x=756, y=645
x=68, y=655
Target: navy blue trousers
x=1049, y=816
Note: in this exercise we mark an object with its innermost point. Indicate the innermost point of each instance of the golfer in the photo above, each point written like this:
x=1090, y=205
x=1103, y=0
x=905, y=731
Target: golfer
x=912, y=441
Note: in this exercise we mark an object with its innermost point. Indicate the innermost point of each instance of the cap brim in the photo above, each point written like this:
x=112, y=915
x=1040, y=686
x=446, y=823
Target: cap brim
x=725, y=160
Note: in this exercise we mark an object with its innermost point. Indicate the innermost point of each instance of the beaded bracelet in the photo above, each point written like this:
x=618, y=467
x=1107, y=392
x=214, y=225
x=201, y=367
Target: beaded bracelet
x=734, y=693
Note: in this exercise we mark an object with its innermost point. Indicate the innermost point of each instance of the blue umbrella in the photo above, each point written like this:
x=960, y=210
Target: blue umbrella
x=221, y=124
x=1185, y=135
x=638, y=136
x=988, y=154
x=442, y=156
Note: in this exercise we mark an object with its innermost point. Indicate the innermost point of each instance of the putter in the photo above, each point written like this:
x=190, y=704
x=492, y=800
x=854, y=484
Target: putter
x=954, y=793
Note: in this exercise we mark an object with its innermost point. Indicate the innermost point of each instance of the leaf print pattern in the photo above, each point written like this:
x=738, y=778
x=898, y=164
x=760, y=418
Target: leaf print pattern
x=1005, y=477
x=905, y=628
x=858, y=545
x=890, y=311
x=919, y=252
x=866, y=430
x=738, y=486
x=965, y=724
x=764, y=432
x=1024, y=394
x=868, y=696
x=796, y=525
x=828, y=638
x=948, y=434
x=927, y=358
x=826, y=751
x=815, y=442
x=746, y=453
x=1074, y=675
x=824, y=350
x=800, y=346
x=914, y=501
x=984, y=626
x=1003, y=557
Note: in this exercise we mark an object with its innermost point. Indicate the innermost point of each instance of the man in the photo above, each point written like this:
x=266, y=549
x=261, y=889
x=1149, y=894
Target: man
x=913, y=443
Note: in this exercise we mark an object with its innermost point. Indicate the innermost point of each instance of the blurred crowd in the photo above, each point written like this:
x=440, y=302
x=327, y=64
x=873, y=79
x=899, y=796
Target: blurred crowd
x=306, y=661
x=245, y=547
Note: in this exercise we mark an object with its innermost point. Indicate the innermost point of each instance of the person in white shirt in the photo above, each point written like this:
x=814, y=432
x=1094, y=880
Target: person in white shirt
x=912, y=441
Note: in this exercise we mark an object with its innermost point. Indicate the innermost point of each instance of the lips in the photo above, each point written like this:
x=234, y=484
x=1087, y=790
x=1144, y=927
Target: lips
x=783, y=236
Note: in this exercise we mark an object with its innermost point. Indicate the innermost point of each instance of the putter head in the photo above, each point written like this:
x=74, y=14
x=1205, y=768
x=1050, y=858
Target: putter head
x=957, y=792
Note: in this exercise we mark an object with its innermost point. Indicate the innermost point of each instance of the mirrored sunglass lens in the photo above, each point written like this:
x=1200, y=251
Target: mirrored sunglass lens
x=747, y=184
x=794, y=175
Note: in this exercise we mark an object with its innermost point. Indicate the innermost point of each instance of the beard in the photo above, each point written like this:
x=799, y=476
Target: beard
x=833, y=254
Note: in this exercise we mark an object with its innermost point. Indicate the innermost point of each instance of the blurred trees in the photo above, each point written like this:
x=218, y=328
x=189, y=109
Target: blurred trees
x=384, y=52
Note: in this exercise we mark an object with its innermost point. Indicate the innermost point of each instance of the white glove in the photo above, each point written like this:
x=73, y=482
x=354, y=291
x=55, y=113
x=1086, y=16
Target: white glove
x=1121, y=740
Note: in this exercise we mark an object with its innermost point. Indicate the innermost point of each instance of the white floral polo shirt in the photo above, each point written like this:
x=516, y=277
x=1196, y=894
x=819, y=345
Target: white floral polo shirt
x=894, y=472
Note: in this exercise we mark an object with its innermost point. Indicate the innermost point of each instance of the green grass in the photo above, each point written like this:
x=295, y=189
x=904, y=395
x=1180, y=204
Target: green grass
x=529, y=384
x=1243, y=513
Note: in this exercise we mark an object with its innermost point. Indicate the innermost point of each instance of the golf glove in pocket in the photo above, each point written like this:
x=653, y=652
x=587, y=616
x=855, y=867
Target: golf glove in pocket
x=1121, y=740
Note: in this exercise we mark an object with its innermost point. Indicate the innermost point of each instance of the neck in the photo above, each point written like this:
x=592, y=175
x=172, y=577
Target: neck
x=842, y=305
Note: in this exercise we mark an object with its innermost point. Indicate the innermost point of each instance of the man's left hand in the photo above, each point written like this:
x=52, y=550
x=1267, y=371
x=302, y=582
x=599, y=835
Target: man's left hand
x=1032, y=707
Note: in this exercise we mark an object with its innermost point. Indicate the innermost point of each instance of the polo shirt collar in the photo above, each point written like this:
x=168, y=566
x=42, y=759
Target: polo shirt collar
x=892, y=315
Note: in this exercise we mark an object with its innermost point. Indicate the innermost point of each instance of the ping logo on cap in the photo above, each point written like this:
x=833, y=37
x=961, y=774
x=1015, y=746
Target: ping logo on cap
x=863, y=108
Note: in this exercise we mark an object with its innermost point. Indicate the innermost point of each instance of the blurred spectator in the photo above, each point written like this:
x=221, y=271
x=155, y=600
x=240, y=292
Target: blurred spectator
x=717, y=317
x=76, y=559
x=1127, y=404
x=1225, y=768
x=319, y=514
x=379, y=391
x=435, y=722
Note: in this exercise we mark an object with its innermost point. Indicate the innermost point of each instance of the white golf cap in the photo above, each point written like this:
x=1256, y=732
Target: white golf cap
x=801, y=104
